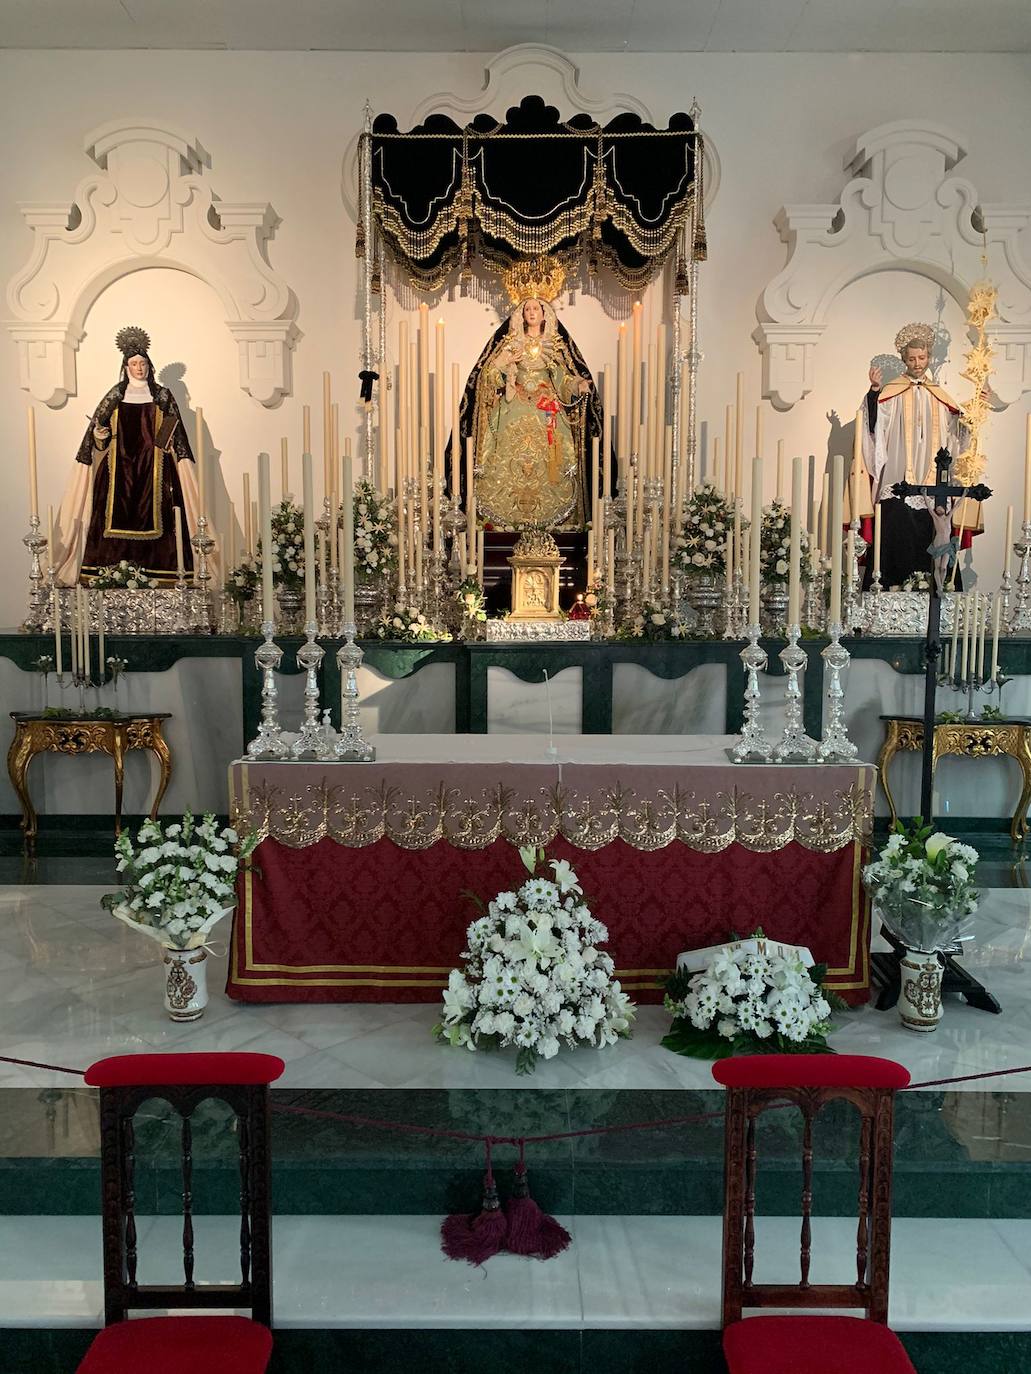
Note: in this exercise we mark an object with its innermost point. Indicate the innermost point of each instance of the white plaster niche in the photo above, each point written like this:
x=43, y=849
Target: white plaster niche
x=901, y=210
x=149, y=204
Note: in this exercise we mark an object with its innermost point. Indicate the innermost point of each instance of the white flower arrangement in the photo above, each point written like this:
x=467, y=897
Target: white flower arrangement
x=180, y=879
x=775, y=549
x=922, y=883
x=375, y=531
x=653, y=623
x=125, y=575
x=287, y=547
x=471, y=601
x=534, y=975
x=753, y=997
x=407, y=625
x=701, y=544
x=242, y=580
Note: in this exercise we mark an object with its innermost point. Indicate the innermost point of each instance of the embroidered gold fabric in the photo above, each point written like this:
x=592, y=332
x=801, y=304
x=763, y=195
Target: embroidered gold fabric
x=356, y=816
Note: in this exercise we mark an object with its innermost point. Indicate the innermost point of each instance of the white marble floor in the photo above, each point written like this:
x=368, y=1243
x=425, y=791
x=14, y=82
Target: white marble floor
x=618, y=1273
x=76, y=985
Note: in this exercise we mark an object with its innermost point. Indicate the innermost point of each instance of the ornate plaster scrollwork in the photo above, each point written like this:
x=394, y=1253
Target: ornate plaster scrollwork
x=901, y=211
x=150, y=204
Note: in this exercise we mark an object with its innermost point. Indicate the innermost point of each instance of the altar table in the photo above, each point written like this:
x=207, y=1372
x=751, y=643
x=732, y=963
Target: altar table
x=359, y=890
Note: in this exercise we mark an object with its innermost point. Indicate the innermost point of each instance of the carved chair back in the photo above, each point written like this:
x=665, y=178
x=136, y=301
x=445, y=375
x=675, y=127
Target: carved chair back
x=184, y=1081
x=759, y=1083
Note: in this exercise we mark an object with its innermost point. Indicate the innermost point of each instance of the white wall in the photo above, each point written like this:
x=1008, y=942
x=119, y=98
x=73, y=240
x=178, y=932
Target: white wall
x=277, y=126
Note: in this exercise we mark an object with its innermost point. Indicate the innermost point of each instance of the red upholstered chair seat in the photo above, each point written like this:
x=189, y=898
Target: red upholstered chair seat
x=813, y=1345
x=180, y=1345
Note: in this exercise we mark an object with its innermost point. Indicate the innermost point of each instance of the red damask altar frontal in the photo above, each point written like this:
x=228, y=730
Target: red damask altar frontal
x=359, y=889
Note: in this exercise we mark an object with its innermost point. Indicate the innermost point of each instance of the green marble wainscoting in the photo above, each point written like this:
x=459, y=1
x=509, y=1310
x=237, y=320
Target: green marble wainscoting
x=958, y=1154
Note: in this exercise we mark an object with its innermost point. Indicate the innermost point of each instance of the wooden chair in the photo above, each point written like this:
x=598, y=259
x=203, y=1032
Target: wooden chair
x=806, y=1344
x=229, y=1344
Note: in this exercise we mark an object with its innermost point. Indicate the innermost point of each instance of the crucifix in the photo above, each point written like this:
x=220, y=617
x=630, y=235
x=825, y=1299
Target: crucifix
x=941, y=492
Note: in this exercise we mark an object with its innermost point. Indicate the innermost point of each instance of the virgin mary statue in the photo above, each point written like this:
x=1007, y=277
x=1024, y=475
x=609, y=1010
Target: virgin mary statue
x=134, y=469
x=532, y=409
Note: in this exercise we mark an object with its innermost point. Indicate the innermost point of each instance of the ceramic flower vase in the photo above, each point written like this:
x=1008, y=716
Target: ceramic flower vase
x=920, y=994
x=186, y=982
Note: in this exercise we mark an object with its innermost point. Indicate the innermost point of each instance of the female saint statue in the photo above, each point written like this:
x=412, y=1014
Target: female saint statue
x=532, y=409
x=136, y=468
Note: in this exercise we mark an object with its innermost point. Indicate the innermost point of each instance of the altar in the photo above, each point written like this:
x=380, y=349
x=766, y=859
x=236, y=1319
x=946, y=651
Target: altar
x=360, y=889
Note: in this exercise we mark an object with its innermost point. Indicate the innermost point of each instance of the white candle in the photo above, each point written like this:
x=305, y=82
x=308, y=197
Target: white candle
x=728, y=450
x=456, y=442
x=58, y=648
x=265, y=518
x=51, y=546
x=74, y=628
x=202, y=466
x=824, y=513
x=957, y=616
x=347, y=500
x=635, y=374
x=438, y=406
x=795, y=555
x=667, y=505
x=327, y=436
x=995, y=625
x=424, y=366
x=834, y=533
x=248, y=528
x=33, y=483
x=607, y=436
x=755, y=568
x=179, y=561
x=334, y=496
x=284, y=468
x=620, y=438
x=232, y=539
x=739, y=435
x=728, y=559
x=780, y=477
x=1008, y=545
x=983, y=600
x=86, y=665
x=305, y=429
x=759, y=430
x=877, y=540
x=968, y=611
x=470, y=504
x=254, y=528
x=101, y=635
x=717, y=473
x=308, y=488
x=1027, y=472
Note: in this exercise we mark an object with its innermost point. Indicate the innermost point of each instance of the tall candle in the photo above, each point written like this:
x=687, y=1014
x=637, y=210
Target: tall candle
x=728, y=450
x=957, y=616
x=58, y=647
x=101, y=633
x=265, y=517
x=73, y=629
x=308, y=490
x=685, y=480
x=837, y=479
x=86, y=665
x=759, y=429
x=594, y=484
x=1008, y=544
x=635, y=375
x=470, y=504
x=631, y=478
x=480, y=556
x=995, y=625
x=248, y=529
x=608, y=435
x=456, y=441
x=728, y=559
x=964, y=598
x=642, y=474
x=347, y=499
x=737, y=537
x=424, y=367
x=780, y=478
x=202, y=466
x=284, y=467
x=739, y=435
x=180, y=565
x=424, y=498
x=795, y=553
x=667, y=505
x=305, y=429
x=334, y=494
x=231, y=563
x=51, y=546
x=755, y=567
x=254, y=528
x=983, y=624
x=404, y=405
x=438, y=405
x=824, y=514
x=877, y=540
x=1027, y=471
x=33, y=482
x=383, y=478
x=327, y=436
x=648, y=418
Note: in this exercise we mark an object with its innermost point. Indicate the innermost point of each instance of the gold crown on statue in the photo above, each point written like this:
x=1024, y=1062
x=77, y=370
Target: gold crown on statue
x=920, y=334
x=132, y=341
x=540, y=278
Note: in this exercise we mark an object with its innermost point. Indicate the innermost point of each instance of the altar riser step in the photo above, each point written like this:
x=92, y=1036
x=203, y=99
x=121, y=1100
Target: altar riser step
x=526, y=1352
x=39, y=1187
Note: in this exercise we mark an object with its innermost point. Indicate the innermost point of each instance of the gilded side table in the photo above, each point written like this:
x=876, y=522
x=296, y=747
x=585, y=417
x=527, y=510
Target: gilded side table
x=975, y=739
x=35, y=734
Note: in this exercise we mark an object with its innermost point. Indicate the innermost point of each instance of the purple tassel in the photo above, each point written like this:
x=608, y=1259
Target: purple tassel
x=475, y=1238
x=531, y=1231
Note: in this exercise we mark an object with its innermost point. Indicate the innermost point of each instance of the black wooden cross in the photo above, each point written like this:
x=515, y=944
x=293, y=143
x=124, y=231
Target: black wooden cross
x=942, y=492
x=886, y=967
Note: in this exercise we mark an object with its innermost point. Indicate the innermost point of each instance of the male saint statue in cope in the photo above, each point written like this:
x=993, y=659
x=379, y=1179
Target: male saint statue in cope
x=903, y=423
x=134, y=469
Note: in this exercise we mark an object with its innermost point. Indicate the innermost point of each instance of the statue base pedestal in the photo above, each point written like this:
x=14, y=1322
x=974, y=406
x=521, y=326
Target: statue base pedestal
x=535, y=563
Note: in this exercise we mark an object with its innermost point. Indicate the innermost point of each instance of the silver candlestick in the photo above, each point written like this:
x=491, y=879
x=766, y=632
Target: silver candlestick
x=1020, y=619
x=35, y=543
x=269, y=742
x=309, y=658
x=351, y=747
x=794, y=743
x=835, y=747
x=203, y=544
x=754, y=742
